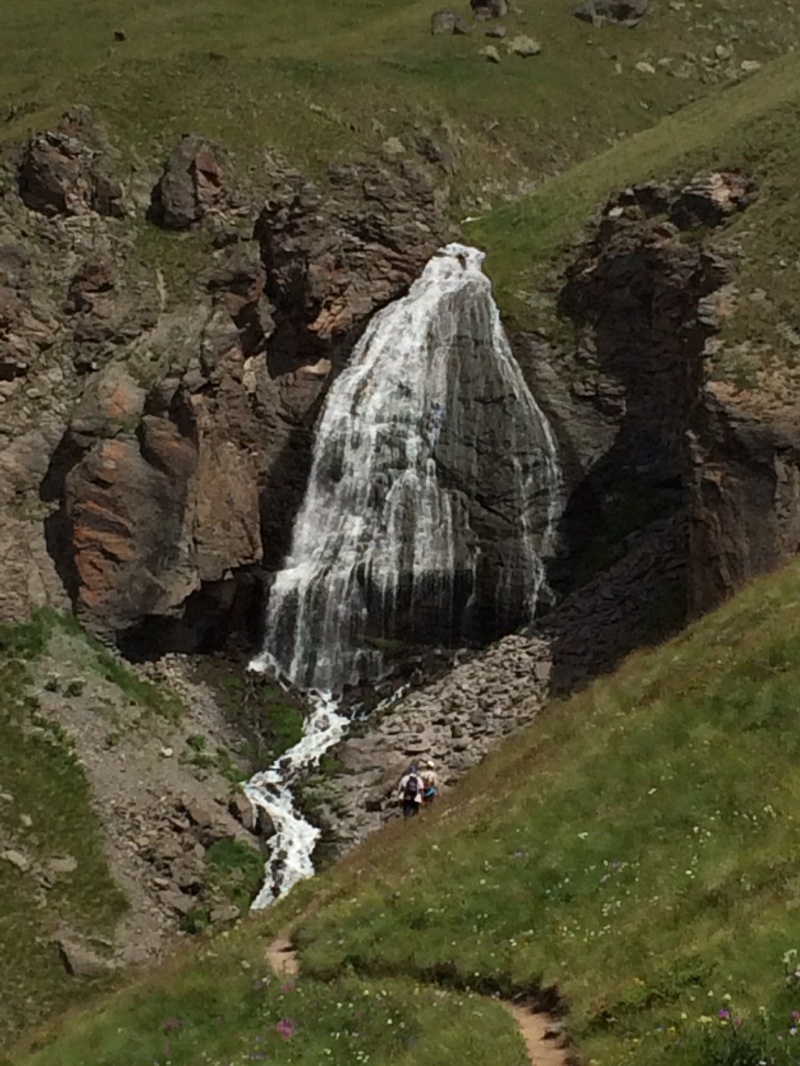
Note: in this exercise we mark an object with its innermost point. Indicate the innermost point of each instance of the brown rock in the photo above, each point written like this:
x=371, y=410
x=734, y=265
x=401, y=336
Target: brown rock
x=111, y=402
x=195, y=182
x=66, y=171
x=242, y=810
x=126, y=520
x=17, y=859
x=224, y=913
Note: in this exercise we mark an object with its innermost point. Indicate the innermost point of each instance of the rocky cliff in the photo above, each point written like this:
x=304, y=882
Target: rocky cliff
x=156, y=435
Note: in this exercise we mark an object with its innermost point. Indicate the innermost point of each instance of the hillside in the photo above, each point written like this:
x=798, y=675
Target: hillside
x=173, y=311
x=323, y=82
x=630, y=856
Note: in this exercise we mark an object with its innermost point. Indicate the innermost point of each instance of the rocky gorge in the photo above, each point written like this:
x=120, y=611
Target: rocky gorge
x=158, y=419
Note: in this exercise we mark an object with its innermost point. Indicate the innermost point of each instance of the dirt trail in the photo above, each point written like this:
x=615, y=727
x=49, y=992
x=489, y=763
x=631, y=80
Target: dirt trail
x=543, y=1050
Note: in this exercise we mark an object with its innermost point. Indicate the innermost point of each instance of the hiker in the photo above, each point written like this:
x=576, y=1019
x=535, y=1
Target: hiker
x=409, y=792
x=430, y=783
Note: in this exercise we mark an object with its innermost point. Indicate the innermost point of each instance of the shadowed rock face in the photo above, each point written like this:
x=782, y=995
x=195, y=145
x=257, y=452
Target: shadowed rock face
x=744, y=501
x=169, y=493
x=645, y=300
x=336, y=253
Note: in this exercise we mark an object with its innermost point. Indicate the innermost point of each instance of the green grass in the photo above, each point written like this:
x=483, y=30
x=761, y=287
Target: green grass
x=268, y=720
x=325, y=81
x=752, y=127
x=229, y=1008
x=635, y=849
x=49, y=814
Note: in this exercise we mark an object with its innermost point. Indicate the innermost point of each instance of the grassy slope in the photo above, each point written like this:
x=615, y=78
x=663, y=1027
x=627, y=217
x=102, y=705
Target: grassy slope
x=46, y=812
x=323, y=80
x=753, y=127
x=637, y=847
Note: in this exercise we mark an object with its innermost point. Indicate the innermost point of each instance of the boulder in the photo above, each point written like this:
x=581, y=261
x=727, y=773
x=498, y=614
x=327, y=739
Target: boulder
x=195, y=182
x=447, y=21
x=523, y=46
x=79, y=957
x=710, y=198
x=490, y=53
x=96, y=276
x=67, y=171
x=489, y=9
x=243, y=811
x=620, y=12
x=111, y=402
x=17, y=859
x=224, y=914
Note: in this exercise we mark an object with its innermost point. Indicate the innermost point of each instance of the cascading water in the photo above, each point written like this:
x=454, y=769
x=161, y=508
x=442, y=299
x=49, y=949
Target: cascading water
x=295, y=838
x=433, y=493
x=433, y=497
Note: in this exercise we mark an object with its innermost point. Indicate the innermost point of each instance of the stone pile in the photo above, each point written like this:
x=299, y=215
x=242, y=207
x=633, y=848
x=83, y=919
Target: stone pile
x=460, y=717
x=171, y=839
x=455, y=720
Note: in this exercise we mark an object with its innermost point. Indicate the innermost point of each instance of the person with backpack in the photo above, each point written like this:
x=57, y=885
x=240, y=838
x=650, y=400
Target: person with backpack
x=409, y=792
x=430, y=783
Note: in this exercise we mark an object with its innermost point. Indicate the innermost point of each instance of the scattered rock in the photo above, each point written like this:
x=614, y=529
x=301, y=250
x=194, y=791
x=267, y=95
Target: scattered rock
x=16, y=858
x=179, y=902
x=523, y=46
x=61, y=866
x=490, y=53
x=447, y=21
x=645, y=68
x=120, y=35
x=750, y=66
x=166, y=753
x=394, y=147
x=498, y=32
x=224, y=913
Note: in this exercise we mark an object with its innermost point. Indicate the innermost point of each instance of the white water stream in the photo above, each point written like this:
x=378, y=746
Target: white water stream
x=295, y=838
x=429, y=429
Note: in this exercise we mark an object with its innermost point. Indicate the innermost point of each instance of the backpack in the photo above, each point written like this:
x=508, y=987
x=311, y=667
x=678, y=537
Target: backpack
x=411, y=789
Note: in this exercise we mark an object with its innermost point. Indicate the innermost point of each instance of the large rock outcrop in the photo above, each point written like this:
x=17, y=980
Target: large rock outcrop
x=176, y=495
x=744, y=502
x=335, y=253
x=68, y=170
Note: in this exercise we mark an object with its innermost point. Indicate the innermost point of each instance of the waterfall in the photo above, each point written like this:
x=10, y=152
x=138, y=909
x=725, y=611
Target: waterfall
x=432, y=501
x=434, y=490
